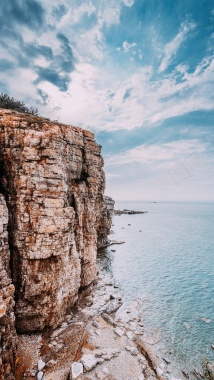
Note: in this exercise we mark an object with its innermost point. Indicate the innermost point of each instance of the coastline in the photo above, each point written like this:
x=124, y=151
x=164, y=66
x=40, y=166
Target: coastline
x=102, y=332
x=148, y=269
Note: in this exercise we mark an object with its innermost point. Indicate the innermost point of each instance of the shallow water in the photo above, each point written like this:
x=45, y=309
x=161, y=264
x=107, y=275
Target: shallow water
x=169, y=266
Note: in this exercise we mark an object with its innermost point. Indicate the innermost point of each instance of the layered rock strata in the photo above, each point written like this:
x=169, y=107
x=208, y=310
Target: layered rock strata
x=7, y=319
x=51, y=176
x=105, y=223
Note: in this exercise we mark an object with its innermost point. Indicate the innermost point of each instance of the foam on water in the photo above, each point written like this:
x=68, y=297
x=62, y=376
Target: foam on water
x=169, y=265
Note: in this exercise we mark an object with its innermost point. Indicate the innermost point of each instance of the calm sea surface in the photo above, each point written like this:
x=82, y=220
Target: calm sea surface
x=167, y=262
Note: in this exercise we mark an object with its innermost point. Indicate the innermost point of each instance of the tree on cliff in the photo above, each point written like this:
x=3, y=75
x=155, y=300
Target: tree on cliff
x=9, y=102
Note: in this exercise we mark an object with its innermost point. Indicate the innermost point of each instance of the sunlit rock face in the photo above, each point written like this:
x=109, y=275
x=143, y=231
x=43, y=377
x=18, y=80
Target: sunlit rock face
x=53, y=181
x=7, y=319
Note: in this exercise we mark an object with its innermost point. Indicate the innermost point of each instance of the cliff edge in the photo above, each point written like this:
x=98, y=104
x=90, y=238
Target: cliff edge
x=51, y=185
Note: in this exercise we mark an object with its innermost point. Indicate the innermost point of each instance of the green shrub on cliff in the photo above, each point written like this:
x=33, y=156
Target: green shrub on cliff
x=9, y=102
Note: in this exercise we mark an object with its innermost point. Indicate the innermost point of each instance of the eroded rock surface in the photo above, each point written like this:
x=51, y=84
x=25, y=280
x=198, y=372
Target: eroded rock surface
x=7, y=320
x=105, y=222
x=52, y=178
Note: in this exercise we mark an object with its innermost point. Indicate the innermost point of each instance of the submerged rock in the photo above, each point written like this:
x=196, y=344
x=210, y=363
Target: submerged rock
x=210, y=370
x=186, y=325
x=206, y=320
x=185, y=374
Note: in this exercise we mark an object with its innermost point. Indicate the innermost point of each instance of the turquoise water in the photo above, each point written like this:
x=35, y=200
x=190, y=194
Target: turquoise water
x=169, y=266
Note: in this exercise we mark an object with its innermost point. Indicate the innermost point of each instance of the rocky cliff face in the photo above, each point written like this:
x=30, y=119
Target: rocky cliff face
x=7, y=319
x=52, y=179
x=105, y=222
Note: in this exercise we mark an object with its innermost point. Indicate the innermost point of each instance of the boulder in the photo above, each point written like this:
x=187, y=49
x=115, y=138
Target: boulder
x=113, y=306
x=89, y=361
x=76, y=370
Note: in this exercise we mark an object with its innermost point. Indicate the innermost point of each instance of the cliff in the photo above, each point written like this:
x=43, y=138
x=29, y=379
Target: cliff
x=52, y=185
x=7, y=319
x=105, y=223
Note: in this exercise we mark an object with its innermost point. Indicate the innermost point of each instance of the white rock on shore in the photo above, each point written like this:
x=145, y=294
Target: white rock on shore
x=41, y=365
x=76, y=370
x=89, y=362
x=118, y=331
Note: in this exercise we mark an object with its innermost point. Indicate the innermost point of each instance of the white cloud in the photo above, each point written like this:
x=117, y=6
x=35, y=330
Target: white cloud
x=128, y=3
x=109, y=175
x=88, y=8
x=16, y=80
x=110, y=15
x=182, y=68
x=171, y=48
x=174, y=151
x=127, y=46
x=95, y=96
x=180, y=170
x=88, y=102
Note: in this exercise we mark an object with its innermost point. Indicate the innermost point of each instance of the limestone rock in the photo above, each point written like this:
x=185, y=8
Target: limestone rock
x=113, y=306
x=41, y=364
x=53, y=181
x=76, y=370
x=141, y=377
x=159, y=371
x=102, y=373
x=40, y=375
x=7, y=320
x=130, y=335
x=118, y=331
x=89, y=361
x=105, y=222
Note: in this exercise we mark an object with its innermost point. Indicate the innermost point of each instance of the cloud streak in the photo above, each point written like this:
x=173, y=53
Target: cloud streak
x=169, y=152
x=151, y=100
x=172, y=47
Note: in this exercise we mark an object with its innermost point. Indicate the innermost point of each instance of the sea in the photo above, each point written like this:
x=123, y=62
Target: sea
x=167, y=263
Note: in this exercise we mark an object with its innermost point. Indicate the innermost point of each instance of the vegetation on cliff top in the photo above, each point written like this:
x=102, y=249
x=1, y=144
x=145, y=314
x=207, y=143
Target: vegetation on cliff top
x=9, y=102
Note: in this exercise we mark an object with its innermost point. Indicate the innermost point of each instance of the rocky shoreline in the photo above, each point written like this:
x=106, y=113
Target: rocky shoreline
x=102, y=338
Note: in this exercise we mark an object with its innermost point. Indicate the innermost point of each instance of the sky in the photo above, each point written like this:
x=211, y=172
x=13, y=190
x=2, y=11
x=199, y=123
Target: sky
x=137, y=73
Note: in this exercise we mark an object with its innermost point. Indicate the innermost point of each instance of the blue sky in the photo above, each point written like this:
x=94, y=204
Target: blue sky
x=138, y=73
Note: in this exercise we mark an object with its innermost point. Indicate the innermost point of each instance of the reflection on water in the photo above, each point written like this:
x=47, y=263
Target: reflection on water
x=169, y=266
